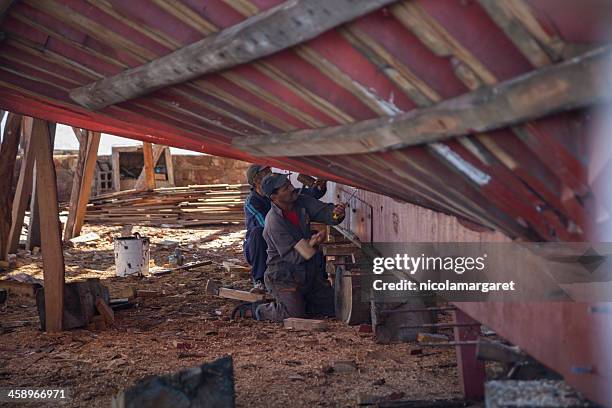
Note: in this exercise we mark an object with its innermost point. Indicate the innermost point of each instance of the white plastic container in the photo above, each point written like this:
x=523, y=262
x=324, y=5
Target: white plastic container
x=132, y=255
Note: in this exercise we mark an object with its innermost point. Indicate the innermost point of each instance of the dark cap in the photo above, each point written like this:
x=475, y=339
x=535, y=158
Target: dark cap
x=252, y=172
x=272, y=181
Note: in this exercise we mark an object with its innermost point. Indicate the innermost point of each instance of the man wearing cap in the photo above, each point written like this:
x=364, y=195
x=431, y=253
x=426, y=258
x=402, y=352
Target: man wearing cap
x=256, y=207
x=292, y=274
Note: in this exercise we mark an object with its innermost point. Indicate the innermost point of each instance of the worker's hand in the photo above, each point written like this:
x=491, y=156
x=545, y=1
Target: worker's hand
x=317, y=238
x=339, y=211
x=321, y=184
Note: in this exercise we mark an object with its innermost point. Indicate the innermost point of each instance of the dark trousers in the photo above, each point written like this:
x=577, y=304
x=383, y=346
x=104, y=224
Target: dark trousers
x=255, y=248
x=291, y=300
x=255, y=252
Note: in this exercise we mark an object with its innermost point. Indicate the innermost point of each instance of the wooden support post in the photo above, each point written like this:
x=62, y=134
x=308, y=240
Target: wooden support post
x=149, y=164
x=89, y=167
x=77, y=180
x=24, y=184
x=471, y=370
x=33, y=239
x=116, y=168
x=51, y=242
x=158, y=150
x=169, y=165
x=8, y=155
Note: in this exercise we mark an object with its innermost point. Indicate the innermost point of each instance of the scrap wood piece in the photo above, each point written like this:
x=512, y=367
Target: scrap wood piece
x=97, y=323
x=146, y=293
x=296, y=323
x=496, y=351
x=241, y=295
x=185, y=267
x=214, y=288
x=341, y=250
x=106, y=311
x=19, y=288
x=87, y=238
x=237, y=271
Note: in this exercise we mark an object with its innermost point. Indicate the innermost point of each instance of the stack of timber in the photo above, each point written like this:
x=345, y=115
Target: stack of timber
x=173, y=207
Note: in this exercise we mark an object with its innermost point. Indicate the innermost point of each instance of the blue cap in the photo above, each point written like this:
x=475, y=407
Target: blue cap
x=271, y=182
x=252, y=172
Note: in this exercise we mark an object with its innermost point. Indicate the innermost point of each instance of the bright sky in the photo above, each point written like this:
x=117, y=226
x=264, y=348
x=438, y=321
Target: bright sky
x=66, y=140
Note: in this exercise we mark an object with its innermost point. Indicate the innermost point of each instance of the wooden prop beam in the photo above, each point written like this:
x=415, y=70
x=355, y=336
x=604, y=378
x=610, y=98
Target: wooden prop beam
x=89, y=168
x=141, y=182
x=24, y=185
x=33, y=239
x=51, y=241
x=573, y=84
x=149, y=164
x=284, y=26
x=77, y=182
x=471, y=371
x=8, y=156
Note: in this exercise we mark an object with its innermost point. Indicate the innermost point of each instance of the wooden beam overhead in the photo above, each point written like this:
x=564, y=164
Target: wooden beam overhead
x=284, y=26
x=573, y=84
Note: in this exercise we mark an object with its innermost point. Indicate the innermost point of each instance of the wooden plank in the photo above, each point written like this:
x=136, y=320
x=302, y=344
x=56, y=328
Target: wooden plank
x=77, y=181
x=33, y=237
x=142, y=181
x=240, y=295
x=147, y=152
x=19, y=288
x=281, y=27
x=105, y=310
x=296, y=323
x=51, y=243
x=116, y=169
x=169, y=166
x=24, y=185
x=471, y=371
x=565, y=86
x=501, y=12
x=91, y=159
x=8, y=156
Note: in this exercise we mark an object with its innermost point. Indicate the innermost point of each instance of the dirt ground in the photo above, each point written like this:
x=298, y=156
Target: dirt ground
x=184, y=327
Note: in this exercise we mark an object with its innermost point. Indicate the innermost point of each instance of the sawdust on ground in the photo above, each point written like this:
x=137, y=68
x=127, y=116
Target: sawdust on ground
x=184, y=327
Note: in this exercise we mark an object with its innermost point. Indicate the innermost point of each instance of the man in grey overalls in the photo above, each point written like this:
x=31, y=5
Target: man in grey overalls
x=292, y=275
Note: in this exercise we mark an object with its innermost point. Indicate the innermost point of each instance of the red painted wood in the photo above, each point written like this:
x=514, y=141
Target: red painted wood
x=467, y=22
x=436, y=72
x=471, y=371
x=341, y=53
x=568, y=21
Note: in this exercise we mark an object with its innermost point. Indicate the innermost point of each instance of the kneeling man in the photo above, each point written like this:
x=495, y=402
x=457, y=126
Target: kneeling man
x=292, y=273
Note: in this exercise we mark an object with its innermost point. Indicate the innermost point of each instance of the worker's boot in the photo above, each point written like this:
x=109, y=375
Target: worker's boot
x=258, y=287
